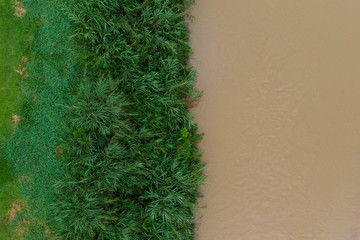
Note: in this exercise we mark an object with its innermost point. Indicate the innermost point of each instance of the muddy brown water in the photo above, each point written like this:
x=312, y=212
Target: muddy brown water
x=281, y=116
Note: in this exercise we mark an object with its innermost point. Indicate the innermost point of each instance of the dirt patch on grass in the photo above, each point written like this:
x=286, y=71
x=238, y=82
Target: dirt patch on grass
x=23, y=228
x=24, y=224
x=13, y=210
x=15, y=120
x=25, y=178
x=20, y=11
x=59, y=150
x=21, y=69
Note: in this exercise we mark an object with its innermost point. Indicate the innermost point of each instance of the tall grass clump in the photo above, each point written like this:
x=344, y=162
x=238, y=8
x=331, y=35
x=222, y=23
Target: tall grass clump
x=132, y=164
x=33, y=148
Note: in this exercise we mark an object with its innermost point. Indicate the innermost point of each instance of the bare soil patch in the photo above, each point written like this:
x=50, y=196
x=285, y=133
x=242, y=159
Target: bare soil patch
x=20, y=11
x=15, y=120
x=13, y=210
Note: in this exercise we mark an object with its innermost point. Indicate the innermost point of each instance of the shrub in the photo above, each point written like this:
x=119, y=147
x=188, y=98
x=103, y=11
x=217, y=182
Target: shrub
x=107, y=142
x=133, y=165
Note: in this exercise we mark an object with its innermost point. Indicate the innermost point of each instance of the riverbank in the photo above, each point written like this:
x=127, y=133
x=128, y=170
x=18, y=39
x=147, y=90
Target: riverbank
x=106, y=147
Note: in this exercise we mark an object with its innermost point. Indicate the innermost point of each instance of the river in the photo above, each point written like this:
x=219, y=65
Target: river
x=281, y=117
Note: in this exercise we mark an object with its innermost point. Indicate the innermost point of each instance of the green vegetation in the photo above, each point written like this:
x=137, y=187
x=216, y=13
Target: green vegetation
x=33, y=147
x=12, y=38
x=106, y=148
x=133, y=166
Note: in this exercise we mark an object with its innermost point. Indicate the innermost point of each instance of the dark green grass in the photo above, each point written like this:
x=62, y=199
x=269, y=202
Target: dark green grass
x=12, y=39
x=133, y=165
x=33, y=146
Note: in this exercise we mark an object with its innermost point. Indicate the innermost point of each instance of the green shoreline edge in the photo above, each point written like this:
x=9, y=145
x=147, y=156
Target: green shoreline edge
x=130, y=171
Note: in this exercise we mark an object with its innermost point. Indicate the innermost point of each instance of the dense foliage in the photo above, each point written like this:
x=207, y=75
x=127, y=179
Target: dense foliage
x=117, y=137
x=133, y=166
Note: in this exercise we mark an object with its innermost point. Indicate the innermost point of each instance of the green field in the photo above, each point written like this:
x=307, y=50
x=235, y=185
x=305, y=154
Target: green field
x=11, y=37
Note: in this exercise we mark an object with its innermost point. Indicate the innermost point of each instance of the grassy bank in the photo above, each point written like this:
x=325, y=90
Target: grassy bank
x=106, y=146
x=32, y=149
x=11, y=48
x=133, y=165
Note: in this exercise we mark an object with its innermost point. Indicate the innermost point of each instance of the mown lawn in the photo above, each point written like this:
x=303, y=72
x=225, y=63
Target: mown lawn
x=11, y=38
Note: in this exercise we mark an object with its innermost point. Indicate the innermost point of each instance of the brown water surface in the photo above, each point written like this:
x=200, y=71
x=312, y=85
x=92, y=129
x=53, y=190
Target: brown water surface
x=281, y=116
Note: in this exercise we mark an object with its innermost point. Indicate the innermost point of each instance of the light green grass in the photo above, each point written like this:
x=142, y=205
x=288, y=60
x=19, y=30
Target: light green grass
x=11, y=38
